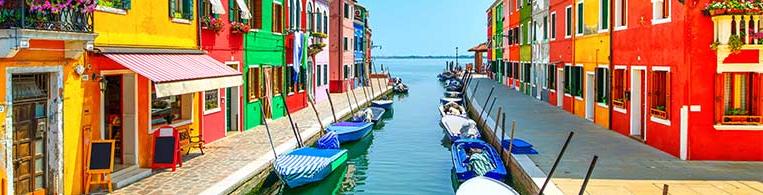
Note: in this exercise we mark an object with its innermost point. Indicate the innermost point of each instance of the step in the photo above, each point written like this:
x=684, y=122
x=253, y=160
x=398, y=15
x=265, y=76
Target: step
x=128, y=176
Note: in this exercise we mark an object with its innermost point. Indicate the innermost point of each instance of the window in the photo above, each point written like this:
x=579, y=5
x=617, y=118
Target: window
x=602, y=85
x=521, y=35
x=660, y=10
x=551, y=77
x=604, y=15
x=516, y=70
x=277, y=18
x=234, y=13
x=580, y=19
x=574, y=83
x=660, y=94
x=318, y=75
x=253, y=82
x=291, y=13
x=325, y=74
x=509, y=70
x=325, y=24
x=545, y=27
x=346, y=10
x=519, y=4
x=206, y=9
x=526, y=73
x=345, y=43
x=211, y=101
x=181, y=9
x=291, y=80
x=302, y=78
x=319, y=21
x=298, y=14
x=618, y=88
x=277, y=81
x=171, y=109
x=553, y=26
x=742, y=98
x=621, y=13
x=255, y=6
x=346, y=71
x=568, y=80
x=568, y=22
x=534, y=30
x=118, y=4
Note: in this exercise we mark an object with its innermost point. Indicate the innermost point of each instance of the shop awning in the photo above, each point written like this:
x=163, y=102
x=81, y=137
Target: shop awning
x=245, y=13
x=217, y=7
x=175, y=74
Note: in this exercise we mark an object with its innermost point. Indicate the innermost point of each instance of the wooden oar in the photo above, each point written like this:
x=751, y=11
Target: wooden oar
x=556, y=163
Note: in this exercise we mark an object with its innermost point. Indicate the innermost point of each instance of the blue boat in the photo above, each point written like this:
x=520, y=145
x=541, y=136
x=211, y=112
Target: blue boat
x=350, y=131
x=307, y=165
x=386, y=104
x=375, y=112
x=464, y=169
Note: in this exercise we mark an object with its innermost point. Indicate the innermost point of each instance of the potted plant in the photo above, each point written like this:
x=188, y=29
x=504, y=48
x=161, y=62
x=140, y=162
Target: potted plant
x=315, y=48
x=212, y=23
x=716, y=8
x=735, y=43
x=714, y=45
x=239, y=27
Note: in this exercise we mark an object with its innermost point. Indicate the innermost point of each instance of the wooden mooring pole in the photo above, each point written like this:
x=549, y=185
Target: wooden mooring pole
x=270, y=138
x=349, y=101
x=293, y=128
x=489, y=111
x=556, y=163
x=588, y=174
x=357, y=104
x=486, y=101
x=331, y=104
x=315, y=110
x=503, y=133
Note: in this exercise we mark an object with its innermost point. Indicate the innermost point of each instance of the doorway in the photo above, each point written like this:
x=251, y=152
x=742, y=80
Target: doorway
x=559, y=87
x=269, y=83
x=119, y=118
x=590, y=81
x=637, y=103
x=30, y=152
x=232, y=105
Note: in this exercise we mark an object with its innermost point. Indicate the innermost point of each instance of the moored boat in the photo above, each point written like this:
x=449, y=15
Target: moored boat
x=484, y=186
x=459, y=127
x=386, y=104
x=307, y=165
x=474, y=157
x=445, y=100
x=350, y=131
x=372, y=114
x=452, y=108
x=452, y=94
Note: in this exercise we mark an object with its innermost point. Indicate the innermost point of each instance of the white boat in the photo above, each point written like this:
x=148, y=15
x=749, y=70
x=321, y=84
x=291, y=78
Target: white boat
x=454, y=124
x=485, y=186
x=460, y=109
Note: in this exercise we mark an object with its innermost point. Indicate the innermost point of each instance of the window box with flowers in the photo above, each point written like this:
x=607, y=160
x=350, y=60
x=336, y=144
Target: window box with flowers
x=212, y=23
x=50, y=15
x=239, y=27
x=733, y=7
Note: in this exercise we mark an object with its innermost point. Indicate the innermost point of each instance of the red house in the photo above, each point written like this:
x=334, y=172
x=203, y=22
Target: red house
x=296, y=52
x=560, y=52
x=679, y=87
x=512, y=26
x=222, y=44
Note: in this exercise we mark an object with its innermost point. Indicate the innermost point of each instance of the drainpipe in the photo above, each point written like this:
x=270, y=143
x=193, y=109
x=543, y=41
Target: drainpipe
x=611, y=59
x=574, y=35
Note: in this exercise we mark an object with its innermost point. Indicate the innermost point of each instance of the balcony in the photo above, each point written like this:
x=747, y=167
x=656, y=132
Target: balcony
x=738, y=40
x=23, y=20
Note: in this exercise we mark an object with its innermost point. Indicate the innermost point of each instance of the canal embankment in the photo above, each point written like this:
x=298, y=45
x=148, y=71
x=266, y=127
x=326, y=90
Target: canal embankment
x=233, y=164
x=625, y=166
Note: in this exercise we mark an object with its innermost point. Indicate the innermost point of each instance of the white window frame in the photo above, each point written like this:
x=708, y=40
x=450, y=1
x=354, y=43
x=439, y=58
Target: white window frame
x=666, y=122
x=568, y=22
x=204, y=106
x=579, y=13
x=618, y=17
x=656, y=20
x=602, y=27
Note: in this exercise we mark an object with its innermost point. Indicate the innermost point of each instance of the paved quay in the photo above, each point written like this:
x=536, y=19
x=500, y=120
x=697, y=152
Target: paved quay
x=232, y=160
x=625, y=166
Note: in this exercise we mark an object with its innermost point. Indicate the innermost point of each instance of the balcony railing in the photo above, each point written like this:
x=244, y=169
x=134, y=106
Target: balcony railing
x=747, y=27
x=74, y=16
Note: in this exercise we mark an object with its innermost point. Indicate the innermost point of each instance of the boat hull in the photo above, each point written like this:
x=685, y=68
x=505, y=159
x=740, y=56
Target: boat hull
x=350, y=131
x=308, y=165
x=386, y=104
x=453, y=124
x=460, y=160
x=484, y=186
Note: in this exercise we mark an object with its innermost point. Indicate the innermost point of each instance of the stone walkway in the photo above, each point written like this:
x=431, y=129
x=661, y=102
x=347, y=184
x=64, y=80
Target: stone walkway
x=228, y=156
x=625, y=166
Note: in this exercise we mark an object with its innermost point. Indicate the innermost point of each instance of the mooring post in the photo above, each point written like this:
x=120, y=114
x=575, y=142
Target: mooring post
x=503, y=133
x=486, y=101
x=300, y=142
x=357, y=104
x=270, y=138
x=349, y=101
x=371, y=84
x=588, y=174
x=365, y=94
x=286, y=108
x=498, y=119
x=664, y=189
x=511, y=137
x=556, y=163
x=475, y=88
x=315, y=110
x=490, y=110
x=331, y=104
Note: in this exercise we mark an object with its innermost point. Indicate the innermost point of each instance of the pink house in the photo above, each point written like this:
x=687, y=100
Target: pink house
x=320, y=17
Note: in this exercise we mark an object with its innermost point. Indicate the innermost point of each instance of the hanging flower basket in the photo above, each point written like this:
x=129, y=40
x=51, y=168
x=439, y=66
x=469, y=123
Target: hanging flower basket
x=315, y=48
x=212, y=23
x=239, y=27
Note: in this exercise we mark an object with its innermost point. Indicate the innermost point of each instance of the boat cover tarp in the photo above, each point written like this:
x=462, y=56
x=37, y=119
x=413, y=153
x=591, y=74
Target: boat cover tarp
x=328, y=141
x=519, y=146
x=307, y=165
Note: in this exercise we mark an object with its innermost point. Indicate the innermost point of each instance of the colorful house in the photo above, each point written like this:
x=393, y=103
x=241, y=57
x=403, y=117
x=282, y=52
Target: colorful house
x=539, y=41
x=151, y=73
x=45, y=75
x=490, y=39
x=264, y=59
x=359, y=25
x=320, y=39
x=222, y=108
x=589, y=72
x=296, y=55
x=340, y=48
x=498, y=40
x=559, y=53
x=513, y=32
x=525, y=48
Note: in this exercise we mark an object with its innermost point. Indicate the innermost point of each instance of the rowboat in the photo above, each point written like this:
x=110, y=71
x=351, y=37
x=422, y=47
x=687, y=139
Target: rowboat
x=487, y=162
x=400, y=88
x=445, y=100
x=459, y=127
x=350, y=131
x=452, y=94
x=444, y=111
x=373, y=114
x=386, y=104
x=484, y=186
x=307, y=165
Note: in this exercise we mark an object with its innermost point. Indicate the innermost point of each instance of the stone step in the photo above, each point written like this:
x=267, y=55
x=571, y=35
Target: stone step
x=128, y=176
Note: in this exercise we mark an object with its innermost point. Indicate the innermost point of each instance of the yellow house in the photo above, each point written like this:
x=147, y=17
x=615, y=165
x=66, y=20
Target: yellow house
x=592, y=50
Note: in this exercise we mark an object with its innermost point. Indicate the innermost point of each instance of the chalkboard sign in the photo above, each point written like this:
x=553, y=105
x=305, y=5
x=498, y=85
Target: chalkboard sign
x=101, y=156
x=166, y=148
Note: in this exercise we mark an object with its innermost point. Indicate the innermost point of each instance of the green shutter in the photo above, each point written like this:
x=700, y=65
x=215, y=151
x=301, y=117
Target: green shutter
x=188, y=9
x=173, y=7
x=605, y=14
x=126, y=4
x=231, y=5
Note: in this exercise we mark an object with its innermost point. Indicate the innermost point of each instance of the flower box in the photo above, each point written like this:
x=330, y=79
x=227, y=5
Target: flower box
x=742, y=120
x=657, y=113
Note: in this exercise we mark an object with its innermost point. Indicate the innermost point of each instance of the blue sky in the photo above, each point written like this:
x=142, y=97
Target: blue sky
x=426, y=27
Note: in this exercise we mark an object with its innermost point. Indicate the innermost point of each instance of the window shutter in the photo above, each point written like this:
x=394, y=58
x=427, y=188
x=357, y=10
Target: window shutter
x=667, y=94
x=188, y=9
x=756, y=88
x=172, y=8
x=719, y=110
x=231, y=6
x=126, y=4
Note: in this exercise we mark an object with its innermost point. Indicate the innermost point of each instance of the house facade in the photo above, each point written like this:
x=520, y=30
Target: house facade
x=320, y=61
x=341, y=53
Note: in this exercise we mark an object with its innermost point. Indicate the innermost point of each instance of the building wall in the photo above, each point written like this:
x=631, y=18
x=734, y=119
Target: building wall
x=341, y=27
x=146, y=24
x=592, y=50
x=323, y=57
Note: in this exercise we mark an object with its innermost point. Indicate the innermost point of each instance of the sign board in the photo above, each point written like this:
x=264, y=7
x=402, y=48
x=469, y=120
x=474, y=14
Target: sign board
x=101, y=156
x=166, y=148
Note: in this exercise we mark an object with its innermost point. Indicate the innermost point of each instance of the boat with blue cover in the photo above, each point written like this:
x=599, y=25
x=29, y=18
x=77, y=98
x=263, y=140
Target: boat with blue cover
x=307, y=165
x=350, y=131
x=386, y=104
x=474, y=157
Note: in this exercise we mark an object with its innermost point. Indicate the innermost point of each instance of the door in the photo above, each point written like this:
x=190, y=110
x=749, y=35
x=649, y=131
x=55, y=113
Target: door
x=636, y=103
x=560, y=87
x=589, y=95
x=268, y=91
x=30, y=108
x=232, y=105
x=113, y=116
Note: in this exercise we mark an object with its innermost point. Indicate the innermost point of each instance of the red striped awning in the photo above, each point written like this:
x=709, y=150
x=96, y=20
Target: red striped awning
x=175, y=74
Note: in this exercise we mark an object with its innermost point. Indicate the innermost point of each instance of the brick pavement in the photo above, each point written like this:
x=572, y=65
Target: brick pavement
x=232, y=153
x=625, y=166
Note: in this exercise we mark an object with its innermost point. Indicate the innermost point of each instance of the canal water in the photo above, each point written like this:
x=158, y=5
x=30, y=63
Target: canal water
x=408, y=153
